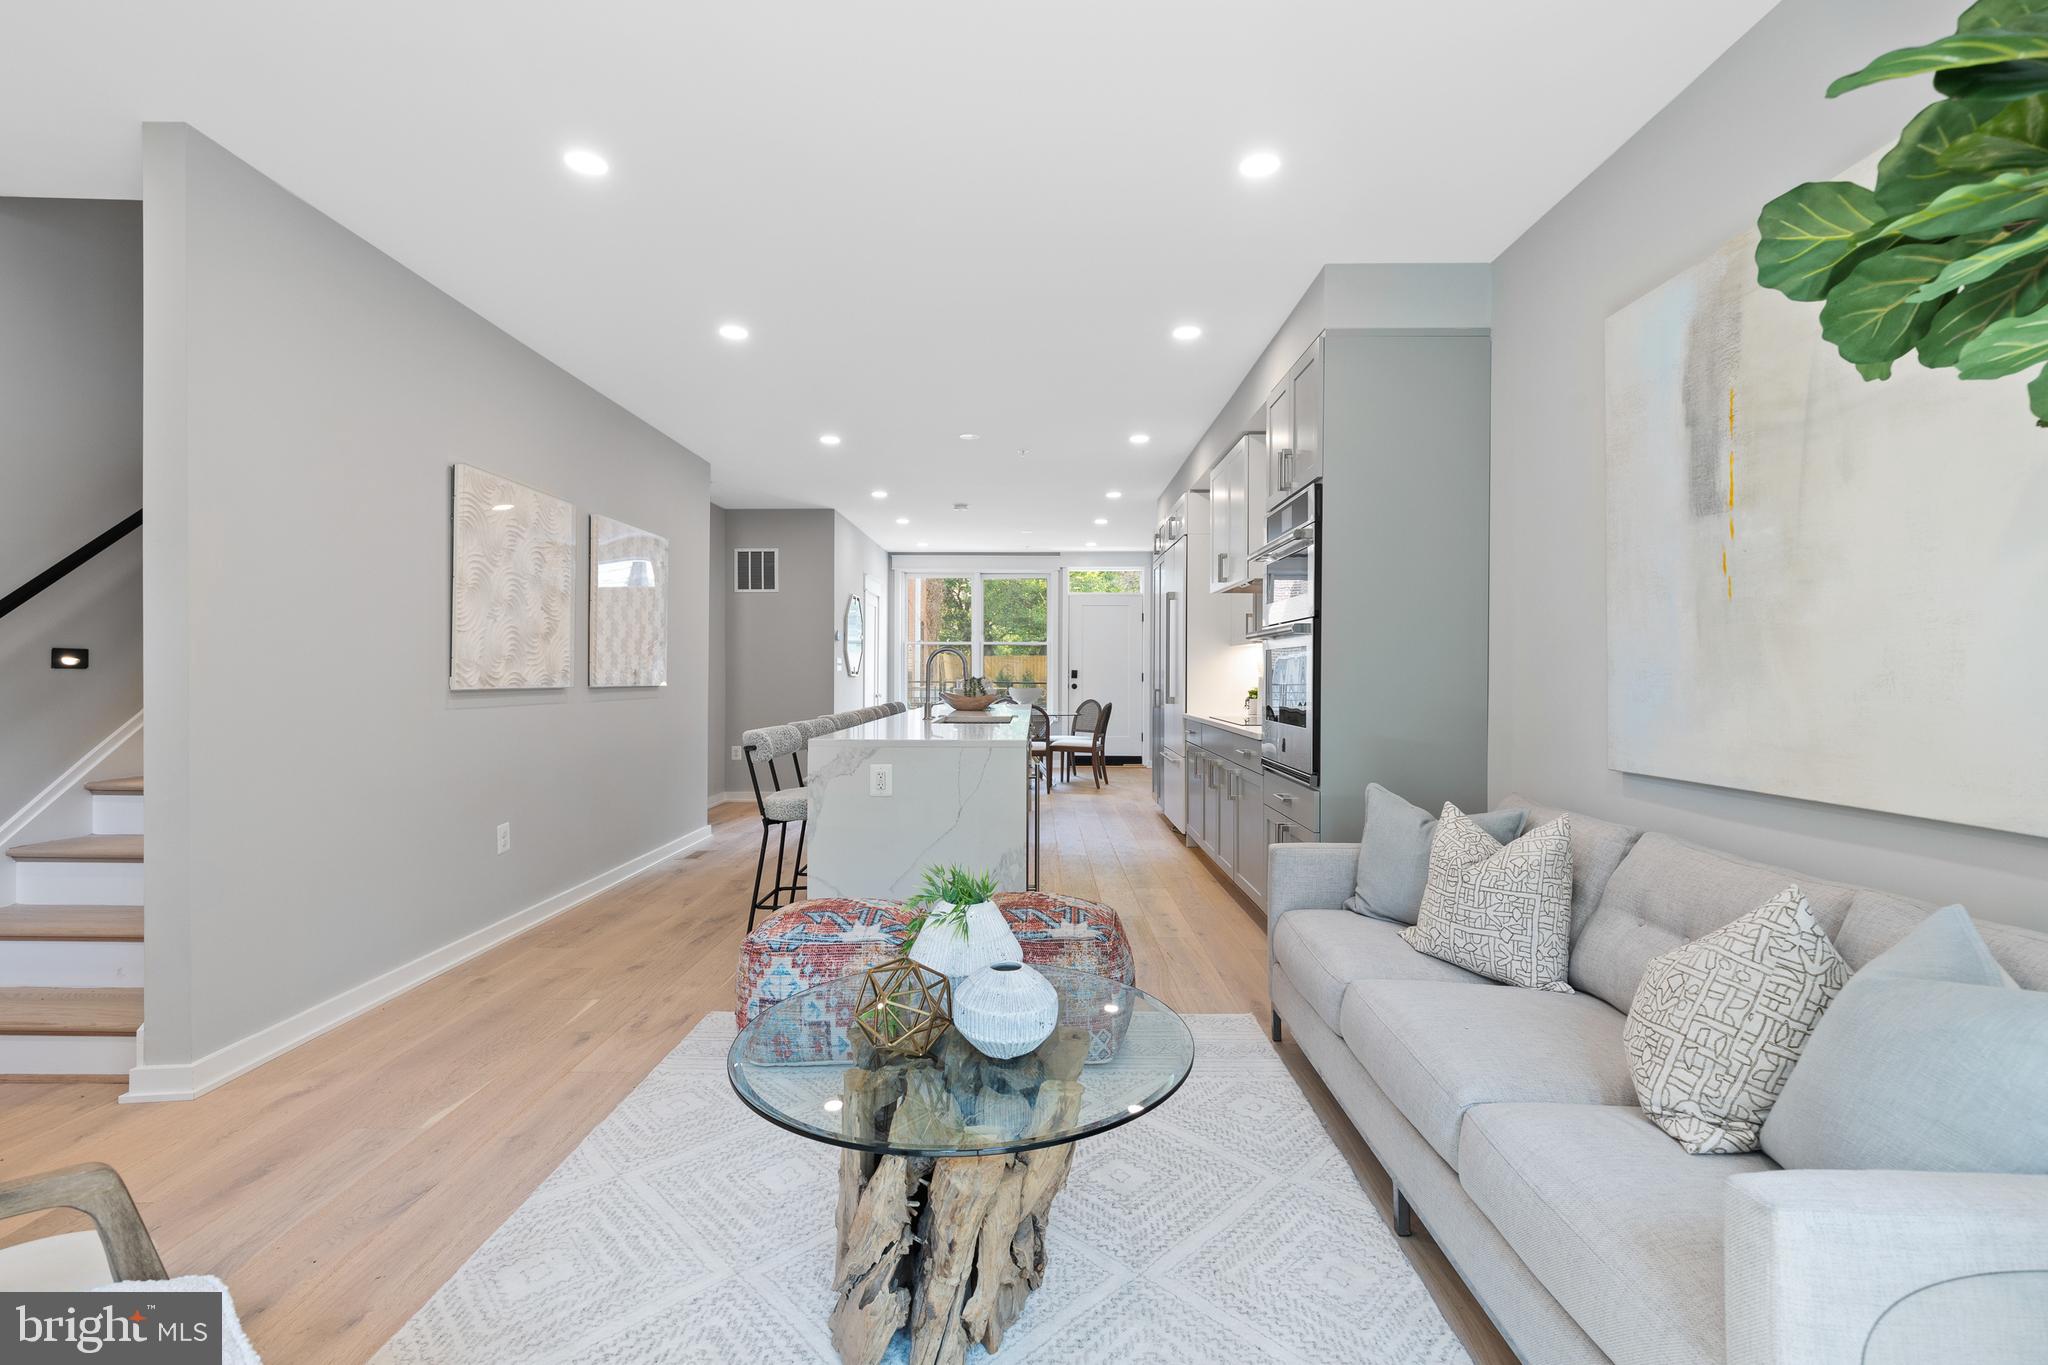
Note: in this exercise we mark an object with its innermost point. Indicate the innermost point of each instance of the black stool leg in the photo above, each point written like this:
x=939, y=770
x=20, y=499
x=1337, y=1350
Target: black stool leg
x=799, y=879
x=760, y=866
x=781, y=844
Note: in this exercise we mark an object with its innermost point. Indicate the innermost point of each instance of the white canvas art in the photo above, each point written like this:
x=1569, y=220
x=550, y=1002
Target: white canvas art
x=628, y=605
x=512, y=580
x=1816, y=586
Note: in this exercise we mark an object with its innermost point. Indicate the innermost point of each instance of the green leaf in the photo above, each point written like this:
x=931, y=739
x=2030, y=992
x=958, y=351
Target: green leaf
x=1808, y=232
x=1874, y=314
x=2009, y=198
x=2037, y=397
x=2004, y=81
x=2017, y=289
x=1980, y=47
x=1915, y=170
x=1992, y=258
x=2004, y=14
x=2016, y=137
x=1881, y=369
x=2007, y=347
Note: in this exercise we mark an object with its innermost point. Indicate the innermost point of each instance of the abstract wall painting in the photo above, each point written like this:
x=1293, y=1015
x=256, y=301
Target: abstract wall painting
x=1819, y=587
x=628, y=605
x=512, y=585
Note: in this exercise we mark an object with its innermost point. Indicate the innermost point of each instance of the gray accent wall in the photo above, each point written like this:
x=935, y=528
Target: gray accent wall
x=1751, y=127
x=778, y=644
x=71, y=440
x=322, y=809
x=717, y=589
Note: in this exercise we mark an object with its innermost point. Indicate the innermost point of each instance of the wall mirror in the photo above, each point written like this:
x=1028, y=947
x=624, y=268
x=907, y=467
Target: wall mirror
x=855, y=635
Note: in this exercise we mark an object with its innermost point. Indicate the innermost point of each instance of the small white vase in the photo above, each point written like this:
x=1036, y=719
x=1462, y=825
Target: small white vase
x=1027, y=696
x=1005, y=1009
x=945, y=950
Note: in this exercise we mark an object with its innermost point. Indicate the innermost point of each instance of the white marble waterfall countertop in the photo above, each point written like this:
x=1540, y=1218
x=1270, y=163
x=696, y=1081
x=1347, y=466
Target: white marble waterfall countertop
x=910, y=727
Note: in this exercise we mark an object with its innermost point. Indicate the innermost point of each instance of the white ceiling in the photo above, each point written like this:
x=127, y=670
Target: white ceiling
x=935, y=217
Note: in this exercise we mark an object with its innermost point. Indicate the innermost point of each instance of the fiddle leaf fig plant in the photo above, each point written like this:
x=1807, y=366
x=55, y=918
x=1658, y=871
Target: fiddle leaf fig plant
x=1946, y=257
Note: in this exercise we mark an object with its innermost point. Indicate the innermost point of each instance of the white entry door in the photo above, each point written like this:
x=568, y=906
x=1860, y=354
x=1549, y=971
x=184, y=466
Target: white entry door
x=1106, y=661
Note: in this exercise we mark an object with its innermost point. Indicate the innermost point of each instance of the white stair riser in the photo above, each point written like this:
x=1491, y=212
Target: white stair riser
x=116, y=814
x=23, y=1054
x=69, y=962
x=78, y=883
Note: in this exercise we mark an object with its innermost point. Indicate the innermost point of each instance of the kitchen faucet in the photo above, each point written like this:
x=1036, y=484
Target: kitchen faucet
x=928, y=660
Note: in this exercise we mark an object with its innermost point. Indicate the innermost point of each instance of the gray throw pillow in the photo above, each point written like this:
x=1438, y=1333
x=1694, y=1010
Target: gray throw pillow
x=1393, y=853
x=1930, y=1059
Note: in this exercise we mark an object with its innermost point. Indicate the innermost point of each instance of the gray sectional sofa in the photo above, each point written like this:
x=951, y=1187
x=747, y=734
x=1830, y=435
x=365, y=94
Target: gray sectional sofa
x=1507, y=1119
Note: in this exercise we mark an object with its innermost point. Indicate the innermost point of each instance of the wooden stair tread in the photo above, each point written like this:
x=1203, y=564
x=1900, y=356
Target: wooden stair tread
x=97, y=1011
x=72, y=923
x=88, y=848
x=115, y=786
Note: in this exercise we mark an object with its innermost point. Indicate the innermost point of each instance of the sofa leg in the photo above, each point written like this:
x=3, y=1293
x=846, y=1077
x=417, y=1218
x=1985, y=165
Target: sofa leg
x=1276, y=1026
x=1404, y=1225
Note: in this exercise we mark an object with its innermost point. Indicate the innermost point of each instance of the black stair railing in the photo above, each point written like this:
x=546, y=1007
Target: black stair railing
x=69, y=562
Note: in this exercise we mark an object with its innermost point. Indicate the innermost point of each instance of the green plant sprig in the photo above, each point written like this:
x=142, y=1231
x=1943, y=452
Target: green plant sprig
x=1947, y=255
x=954, y=887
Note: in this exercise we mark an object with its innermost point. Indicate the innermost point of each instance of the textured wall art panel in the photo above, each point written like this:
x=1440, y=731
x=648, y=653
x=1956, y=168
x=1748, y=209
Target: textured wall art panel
x=628, y=605
x=1820, y=587
x=513, y=585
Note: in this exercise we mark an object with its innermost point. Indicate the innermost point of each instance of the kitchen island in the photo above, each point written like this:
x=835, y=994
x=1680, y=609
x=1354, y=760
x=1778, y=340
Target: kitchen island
x=956, y=793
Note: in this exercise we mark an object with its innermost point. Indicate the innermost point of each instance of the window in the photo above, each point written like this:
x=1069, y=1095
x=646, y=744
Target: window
x=1013, y=630
x=1104, y=580
x=998, y=623
x=753, y=570
x=940, y=612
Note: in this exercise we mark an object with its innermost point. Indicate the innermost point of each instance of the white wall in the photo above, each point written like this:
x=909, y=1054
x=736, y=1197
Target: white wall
x=321, y=807
x=71, y=460
x=1751, y=127
x=855, y=559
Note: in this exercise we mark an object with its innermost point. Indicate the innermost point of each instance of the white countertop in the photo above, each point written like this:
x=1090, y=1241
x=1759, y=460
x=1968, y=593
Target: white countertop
x=1236, y=727
x=910, y=727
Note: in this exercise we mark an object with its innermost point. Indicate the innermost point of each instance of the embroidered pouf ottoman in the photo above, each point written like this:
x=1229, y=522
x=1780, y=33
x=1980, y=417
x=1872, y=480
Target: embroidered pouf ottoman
x=812, y=942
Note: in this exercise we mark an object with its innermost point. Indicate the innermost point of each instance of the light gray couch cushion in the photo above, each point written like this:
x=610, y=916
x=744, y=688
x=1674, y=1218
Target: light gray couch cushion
x=1667, y=893
x=1393, y=853
x=1324, y=951
x=1438, y=1049
x=1598, y=846
x=1929, y=1060
x=1878, y=919
x=1619, y=1224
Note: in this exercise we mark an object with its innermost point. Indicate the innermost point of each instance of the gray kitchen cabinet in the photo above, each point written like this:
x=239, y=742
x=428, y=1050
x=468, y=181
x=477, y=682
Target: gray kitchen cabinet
x=1249, y=866
x=1231, y=788
x=1227, y=556
x=1294, y=429
x=1281, y=830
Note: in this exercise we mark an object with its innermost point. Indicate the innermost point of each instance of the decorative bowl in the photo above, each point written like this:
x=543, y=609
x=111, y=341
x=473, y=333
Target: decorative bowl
x=960, y=701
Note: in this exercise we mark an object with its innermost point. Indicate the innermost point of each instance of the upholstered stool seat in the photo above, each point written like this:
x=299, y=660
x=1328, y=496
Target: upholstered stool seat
x=812, y=942
x=791, y=803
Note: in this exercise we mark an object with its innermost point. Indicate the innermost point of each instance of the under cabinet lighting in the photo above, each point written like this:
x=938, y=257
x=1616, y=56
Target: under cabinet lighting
x=1089, y=544
x=903, y=521
x=1102, y=521
x=1114, y=493
x=879, y=494
x=969, y=436
x=923, y=544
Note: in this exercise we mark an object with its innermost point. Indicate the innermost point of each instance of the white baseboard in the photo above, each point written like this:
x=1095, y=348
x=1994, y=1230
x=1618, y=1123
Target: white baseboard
x=72, y=777
x=189, y=1080
x=723, y=798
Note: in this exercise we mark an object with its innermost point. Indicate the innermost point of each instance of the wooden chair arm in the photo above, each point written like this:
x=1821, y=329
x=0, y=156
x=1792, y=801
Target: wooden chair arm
x=97, y=1192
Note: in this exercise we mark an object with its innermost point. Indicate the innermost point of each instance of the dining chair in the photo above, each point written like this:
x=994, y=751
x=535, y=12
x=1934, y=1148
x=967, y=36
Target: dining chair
x=1041, y=742
x=117, y=1248
x=1090, y=736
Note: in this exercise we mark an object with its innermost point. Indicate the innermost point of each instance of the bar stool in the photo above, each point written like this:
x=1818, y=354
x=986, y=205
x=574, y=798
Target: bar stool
x=780, y=808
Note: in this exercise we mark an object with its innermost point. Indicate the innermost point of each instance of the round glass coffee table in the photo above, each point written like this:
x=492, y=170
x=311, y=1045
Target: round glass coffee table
x=952, y=1160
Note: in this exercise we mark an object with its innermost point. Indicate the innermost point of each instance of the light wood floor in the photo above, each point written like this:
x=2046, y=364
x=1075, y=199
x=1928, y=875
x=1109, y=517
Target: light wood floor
x=337, y=1187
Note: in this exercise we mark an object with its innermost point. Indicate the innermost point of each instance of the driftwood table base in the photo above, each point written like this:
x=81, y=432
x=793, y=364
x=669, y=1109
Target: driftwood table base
x=949, y=1247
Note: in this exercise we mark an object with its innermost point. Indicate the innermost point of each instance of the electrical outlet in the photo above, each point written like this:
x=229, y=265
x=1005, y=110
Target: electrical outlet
x=505, y=837
x=881, y=779
x=735, y=753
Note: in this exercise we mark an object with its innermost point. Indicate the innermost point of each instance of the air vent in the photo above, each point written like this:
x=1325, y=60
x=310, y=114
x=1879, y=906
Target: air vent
x=753, y=570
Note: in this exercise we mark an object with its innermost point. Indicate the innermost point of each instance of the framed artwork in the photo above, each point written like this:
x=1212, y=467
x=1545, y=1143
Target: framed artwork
x=512, y=576
x=1820, y=587
x=628, y=605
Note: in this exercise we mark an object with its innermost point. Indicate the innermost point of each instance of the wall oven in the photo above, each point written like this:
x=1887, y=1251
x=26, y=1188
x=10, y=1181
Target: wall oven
x=1288, y=596
x=1287, y=703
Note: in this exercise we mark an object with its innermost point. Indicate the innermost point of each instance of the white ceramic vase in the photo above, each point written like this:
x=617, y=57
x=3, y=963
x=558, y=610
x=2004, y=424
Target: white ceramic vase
x=945, y=950
x=1005, y=1009
x=1027, y=696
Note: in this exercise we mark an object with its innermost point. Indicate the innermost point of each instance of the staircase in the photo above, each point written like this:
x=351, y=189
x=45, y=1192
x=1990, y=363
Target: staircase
x=71, y=947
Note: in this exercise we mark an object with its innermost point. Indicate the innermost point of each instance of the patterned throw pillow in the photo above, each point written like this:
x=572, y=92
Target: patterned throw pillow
x=1504, y=912
x=1717, y=1025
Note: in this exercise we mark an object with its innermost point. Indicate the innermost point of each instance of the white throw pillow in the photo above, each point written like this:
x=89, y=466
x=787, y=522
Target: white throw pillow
x=1503, y=911
x=1718, y=1024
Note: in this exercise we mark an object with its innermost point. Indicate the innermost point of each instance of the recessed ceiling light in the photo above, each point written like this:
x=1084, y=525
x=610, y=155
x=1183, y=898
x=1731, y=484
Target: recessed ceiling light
x=1090, y=544
x=922, y=544
x=1258, y=165
x=1102, y=521
x=1027, y=533
x=583, y=161
x=1187, y=331
x=903, y=521
x=828, y=439
x=969, y=436
x=1114, y=493
x=732, y=331
x=879, y=493
x=1139, y=438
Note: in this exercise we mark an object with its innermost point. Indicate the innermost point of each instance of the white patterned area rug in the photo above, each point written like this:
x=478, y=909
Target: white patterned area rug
x=1224, y=1226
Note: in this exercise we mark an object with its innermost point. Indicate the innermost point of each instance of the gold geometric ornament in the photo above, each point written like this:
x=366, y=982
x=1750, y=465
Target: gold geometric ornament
x=903, y=1007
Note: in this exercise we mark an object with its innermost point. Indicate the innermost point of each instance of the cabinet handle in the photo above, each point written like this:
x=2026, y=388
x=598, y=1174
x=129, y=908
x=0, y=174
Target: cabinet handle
x=1222, y=566
x=1284, y=800
x=1286, y=470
